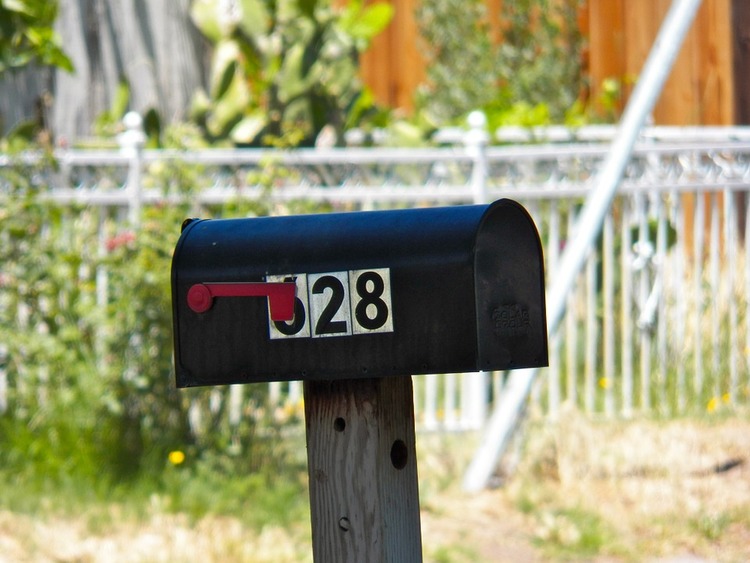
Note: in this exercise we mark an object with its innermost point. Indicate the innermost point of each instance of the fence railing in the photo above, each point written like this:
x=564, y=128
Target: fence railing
x=658, y=322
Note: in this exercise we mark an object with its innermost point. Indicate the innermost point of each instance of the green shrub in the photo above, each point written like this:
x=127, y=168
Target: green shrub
x=86, y=331
x=532, y=75
x=285, y=69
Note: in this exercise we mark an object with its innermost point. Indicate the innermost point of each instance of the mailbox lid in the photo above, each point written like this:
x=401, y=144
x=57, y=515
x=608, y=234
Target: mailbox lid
x=226, y=248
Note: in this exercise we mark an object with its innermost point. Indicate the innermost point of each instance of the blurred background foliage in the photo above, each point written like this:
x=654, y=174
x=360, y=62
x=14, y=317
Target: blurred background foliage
x=285, y=68
x=86, y=343
x=287, y=72
x=27, y=35
x=85, y=322
x=529, y=72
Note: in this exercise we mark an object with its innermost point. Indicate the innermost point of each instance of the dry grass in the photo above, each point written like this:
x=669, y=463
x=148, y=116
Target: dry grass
x=655, y=489
x=159, y=538
x=582, y=490
x=599, y=491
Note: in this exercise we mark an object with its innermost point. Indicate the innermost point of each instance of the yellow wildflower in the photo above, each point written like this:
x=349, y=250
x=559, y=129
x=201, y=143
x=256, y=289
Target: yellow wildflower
x=176, y=457
x=712, y=404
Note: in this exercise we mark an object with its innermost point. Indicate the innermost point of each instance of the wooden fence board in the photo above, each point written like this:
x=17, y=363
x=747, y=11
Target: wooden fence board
x=394, y=67
x=606, y=52
x=678, y=101
x=740, y=18
x=700, y=89
x=716, y=94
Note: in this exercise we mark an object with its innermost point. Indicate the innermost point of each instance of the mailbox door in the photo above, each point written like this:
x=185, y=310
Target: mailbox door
x=509, y=277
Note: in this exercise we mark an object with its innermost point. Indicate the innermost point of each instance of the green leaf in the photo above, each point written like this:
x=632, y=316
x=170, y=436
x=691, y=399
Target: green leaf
x=249, y=128
x=200, y=105
x=152, y=127
x=369, y=22
x=224, y=67
x=361, y=104
x=255, y=18
x=228, y=109
x=313, y=43
x=25, y=130
x=205, y=16
x=307, y=7
x=18, y=6
x=293, y=80
x=121, y=99
x=57, y=58
x=225, y=80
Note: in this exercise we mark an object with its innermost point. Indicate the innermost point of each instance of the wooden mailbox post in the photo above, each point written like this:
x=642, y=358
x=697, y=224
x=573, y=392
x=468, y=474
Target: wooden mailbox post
x=354, y=304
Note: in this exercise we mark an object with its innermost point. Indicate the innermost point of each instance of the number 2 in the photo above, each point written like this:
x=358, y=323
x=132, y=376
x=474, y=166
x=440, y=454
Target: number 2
x=329, y=306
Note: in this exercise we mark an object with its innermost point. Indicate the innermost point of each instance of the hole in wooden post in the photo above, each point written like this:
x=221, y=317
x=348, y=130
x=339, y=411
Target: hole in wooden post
x=399, y=454
x=344, y=524
x=339, y=424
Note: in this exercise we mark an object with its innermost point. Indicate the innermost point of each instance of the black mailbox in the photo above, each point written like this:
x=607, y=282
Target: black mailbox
x=360, y=294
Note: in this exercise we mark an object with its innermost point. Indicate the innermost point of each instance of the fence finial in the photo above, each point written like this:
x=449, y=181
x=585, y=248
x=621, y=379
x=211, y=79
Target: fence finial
x=476, y=140
x=133, y=138
x=131, y=143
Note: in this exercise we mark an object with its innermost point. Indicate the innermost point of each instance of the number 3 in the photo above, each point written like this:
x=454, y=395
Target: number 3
x=298, y=327
x=337, y=304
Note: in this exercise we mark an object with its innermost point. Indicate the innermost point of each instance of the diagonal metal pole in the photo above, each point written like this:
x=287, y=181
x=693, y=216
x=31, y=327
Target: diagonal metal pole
x=655, y=71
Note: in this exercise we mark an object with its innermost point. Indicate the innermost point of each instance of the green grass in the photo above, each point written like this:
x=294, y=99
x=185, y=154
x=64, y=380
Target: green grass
x=583, y=490
x=256, y=499
x=573, y=532
x=711, y=526
x=453, y=554
x=204, y=483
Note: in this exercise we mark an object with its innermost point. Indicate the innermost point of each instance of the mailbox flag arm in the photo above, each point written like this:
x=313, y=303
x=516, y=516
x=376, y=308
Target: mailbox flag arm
x=280, y=296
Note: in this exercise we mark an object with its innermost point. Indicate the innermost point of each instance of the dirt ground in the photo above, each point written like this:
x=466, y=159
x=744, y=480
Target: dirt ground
x=675, y=491
x=579, y=490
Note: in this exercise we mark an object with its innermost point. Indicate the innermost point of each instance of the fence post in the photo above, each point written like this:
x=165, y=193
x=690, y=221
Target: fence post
x=3, y=379
x=475, y=386
x=131, y=145
x=475, y=141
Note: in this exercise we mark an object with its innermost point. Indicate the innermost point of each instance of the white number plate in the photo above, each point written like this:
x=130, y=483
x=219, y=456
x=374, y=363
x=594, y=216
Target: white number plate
x=337, y=304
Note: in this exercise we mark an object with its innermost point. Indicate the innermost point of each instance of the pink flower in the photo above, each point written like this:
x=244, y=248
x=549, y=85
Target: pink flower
x=122, y=239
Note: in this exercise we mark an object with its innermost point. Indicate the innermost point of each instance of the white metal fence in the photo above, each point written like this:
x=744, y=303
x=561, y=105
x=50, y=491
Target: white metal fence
x=658, y=322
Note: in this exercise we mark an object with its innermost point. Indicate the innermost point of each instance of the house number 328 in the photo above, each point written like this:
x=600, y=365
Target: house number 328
x=337, y=304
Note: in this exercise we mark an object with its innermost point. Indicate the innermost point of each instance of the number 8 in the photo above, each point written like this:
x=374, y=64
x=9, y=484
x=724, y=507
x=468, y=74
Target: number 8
x=371, y=300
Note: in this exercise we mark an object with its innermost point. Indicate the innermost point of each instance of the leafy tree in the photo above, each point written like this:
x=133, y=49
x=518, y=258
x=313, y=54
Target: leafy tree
x=27, y=35
x=90, y=383
x=539, y=58
x=530, y=75
x=461, y=74
x=86, y=330
x=281, y=67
